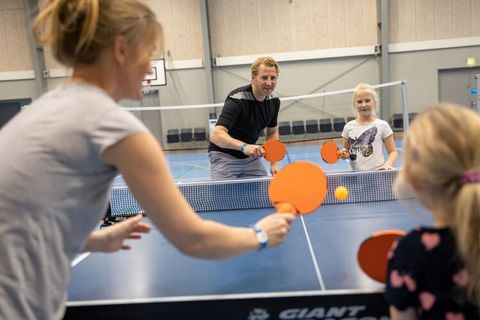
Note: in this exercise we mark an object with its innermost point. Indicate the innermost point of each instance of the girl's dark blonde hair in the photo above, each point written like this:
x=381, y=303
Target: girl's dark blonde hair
x=441, y=146
x=78, y=30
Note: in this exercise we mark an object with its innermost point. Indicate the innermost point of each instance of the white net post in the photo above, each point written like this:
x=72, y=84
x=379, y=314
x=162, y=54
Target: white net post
x=477, y=77
x=406, y=119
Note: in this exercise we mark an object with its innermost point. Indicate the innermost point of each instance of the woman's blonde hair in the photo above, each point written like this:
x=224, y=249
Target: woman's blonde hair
x=78, y=30
x=441, y=146
x=365, y=87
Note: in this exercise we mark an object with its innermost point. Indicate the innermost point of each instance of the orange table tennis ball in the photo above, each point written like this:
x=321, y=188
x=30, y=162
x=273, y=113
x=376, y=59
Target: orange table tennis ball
x=341, y=193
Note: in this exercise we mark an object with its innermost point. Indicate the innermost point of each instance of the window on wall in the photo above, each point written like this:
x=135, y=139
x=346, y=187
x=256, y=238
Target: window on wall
x=9, y=108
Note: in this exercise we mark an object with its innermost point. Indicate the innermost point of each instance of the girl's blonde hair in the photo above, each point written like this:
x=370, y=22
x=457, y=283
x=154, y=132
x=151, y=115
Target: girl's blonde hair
x=78, y=30
x=441, y=146
x=365, y=87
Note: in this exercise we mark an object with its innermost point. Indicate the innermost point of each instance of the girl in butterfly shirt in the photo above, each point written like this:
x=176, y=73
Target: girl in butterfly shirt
x=364, y=137
x=434, y=272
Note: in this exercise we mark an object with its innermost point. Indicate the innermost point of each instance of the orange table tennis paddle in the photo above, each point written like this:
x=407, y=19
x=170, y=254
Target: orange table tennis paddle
x=330, y=152
x=300, y=188
x=372, y=255
x=274, y=150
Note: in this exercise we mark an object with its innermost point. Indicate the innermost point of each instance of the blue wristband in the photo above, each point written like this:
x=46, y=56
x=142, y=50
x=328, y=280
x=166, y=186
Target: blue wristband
x=261, y=236
x=242, y=148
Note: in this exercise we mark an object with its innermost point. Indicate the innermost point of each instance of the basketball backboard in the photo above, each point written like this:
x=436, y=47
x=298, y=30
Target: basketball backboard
x=157, y=78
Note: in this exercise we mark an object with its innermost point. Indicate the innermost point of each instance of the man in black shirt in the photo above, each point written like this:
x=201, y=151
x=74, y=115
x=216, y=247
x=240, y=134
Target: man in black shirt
x=247, y=111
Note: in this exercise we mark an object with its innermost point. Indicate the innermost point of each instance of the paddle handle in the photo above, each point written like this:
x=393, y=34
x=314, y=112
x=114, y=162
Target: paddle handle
x=285, y=207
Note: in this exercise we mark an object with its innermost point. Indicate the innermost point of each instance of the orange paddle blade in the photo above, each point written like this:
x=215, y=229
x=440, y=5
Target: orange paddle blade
x=302, y=185
x=330, y=152
x=274, y=150
x=372, y=255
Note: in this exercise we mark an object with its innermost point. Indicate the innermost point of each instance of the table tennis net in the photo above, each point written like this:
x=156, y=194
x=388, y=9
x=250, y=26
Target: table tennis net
x=253, y=193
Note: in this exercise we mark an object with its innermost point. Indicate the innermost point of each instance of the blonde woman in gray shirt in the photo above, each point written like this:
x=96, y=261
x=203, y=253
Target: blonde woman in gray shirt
x=60, y=155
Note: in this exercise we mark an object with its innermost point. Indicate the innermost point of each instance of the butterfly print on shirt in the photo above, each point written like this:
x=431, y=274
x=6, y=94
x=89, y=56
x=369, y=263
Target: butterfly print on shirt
x=363, y=144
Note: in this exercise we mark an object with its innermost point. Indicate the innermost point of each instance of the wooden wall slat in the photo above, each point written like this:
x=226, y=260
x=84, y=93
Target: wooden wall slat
x=442, y=19
x=284, y=26
x=267, y=21
x=215, y=17
x=163, y=10
x=336, y=23
x=3, y=42
x=354, y=33
x=196, y=30
x=319, y=24
x=424, y=19
x=12, y=4
x=369, y=24
x=17, y=41
x=406, y=21
x=186, y=30
x=475, y=18
x=461, y=18
x=232, y=25
x=251, y=29
x=394, y=23
x=300, y=20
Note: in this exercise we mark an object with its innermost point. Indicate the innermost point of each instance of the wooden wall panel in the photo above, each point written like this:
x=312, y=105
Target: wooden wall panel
x=336, y=23
x=283, y=34
x=442, y=19
x=461, y=18
x=14, y=45
x=11, y=4
x=181, y=24
x=251, y=30
x=354, y=32
x=424, y=19
x=267, y=26
x=215, y=17
x=163, y=11
x=406, y=21
x=291, y=25
x=318, y=24
x=187, y=37
x=232, y=24
x=3, y=41
x=475, y=18
x=300, y=21
x=18, y=50
x=248, y=27
x=394, y=23
x=370, y=19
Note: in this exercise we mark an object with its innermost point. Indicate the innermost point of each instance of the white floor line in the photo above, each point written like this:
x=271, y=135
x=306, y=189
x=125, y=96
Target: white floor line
x=315, y=264
x=79, y=259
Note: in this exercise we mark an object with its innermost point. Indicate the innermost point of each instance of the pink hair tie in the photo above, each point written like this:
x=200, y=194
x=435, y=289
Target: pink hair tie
x=470, y=176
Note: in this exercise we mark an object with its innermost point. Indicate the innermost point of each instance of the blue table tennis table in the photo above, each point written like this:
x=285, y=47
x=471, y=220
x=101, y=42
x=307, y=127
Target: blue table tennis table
x=292, y=281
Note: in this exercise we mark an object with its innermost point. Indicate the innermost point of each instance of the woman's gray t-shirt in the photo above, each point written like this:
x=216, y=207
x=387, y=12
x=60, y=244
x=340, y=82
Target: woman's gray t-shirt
x=54, y=189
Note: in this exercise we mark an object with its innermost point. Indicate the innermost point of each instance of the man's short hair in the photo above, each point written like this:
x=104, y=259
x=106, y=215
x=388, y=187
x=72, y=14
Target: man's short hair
x=268, y=61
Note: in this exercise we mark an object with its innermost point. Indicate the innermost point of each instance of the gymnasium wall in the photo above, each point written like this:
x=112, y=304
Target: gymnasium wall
x=317, y=41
